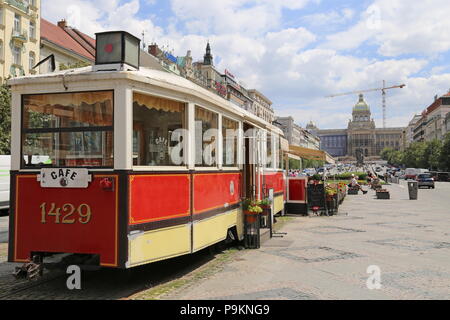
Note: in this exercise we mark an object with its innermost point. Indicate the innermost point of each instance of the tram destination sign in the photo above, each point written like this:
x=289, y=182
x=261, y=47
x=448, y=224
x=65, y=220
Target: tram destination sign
x=64, y=178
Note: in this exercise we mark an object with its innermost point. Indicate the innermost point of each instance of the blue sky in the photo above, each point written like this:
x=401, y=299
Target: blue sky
x=297, y=51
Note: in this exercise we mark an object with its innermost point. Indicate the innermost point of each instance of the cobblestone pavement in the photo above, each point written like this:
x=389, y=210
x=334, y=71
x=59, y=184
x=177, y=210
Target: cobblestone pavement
x=105, y=284
x=319, y=258
x=328, y=257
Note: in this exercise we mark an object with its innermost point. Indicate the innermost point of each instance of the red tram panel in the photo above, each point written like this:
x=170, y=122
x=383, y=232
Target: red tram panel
x=83, y=221
x=216, y=190
x=158, y=197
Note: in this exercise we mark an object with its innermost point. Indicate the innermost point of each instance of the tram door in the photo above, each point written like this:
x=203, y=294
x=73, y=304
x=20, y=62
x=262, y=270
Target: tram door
x=250, y=178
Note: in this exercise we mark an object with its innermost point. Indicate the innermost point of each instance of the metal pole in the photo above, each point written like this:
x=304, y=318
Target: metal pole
x=384, y=105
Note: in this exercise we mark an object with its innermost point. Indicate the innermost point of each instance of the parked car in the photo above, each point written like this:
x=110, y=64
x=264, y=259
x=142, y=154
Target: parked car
x=411, y=174
x=425, y=180
x=5, y=167
x=440, y=176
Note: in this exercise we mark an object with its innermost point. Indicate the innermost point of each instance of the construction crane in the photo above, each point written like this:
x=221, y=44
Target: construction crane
x=383, y=90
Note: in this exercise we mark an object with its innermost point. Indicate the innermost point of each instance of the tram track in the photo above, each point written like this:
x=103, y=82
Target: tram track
x=105, y=284
x=21, y=286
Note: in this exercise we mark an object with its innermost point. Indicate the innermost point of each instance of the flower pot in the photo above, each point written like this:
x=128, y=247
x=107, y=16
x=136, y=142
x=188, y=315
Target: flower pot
x=251, y=218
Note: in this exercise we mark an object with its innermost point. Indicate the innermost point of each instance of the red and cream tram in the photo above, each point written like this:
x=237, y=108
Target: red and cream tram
x=132, y=165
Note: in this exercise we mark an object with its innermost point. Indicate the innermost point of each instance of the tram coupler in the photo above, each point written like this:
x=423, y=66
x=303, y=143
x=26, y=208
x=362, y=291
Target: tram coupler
x=32, y=270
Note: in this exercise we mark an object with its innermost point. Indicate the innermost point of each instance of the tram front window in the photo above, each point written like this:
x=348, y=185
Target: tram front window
x=230, y=142
x=158, y=135
x=68, y=130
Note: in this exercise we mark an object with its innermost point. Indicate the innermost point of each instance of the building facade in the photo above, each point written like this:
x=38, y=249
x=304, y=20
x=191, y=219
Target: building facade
x=19, y=37
x=432, y=123
x=298, y=136
x=361, y=136
x=447, y=123
x=69, y=46
x=261, y=106
x=409, y=131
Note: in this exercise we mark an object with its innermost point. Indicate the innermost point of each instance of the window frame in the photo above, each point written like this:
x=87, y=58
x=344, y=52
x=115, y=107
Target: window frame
x=31, y=55
x=238, y=144
x=32, y=30
x=24, y=131
x=201, y=167
x=185, y=140
x=18, y=61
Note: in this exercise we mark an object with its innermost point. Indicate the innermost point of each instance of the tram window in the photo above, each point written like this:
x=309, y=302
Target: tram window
x=278, y=162
x=230, y=142
x=269, y=159
x=68, y=130
x=158, y=135
x=206, y=133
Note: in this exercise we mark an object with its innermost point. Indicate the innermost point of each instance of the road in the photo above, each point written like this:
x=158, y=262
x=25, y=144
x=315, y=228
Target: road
x=4, y=224
x=319, y=258
x=328, y=257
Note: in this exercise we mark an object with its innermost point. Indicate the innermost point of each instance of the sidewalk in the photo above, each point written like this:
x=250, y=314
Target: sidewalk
x=328, y=257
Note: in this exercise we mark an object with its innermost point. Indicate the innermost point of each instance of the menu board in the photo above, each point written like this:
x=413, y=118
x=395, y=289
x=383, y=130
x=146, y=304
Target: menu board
x=316, y=195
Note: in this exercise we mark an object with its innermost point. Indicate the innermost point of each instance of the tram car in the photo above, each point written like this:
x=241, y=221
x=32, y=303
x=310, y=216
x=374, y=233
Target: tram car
x=132, y=165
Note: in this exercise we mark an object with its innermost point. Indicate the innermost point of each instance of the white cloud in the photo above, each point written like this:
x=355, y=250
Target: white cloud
x=288, y=65
x=101, y=15
x=399, y=27
x=329, y=18
x=232, y=16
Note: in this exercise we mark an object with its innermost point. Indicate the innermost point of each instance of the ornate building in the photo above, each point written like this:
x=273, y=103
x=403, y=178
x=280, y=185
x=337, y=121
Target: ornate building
x=262, y=106
x=361, y=136
x=298, y=136
x=20, y=25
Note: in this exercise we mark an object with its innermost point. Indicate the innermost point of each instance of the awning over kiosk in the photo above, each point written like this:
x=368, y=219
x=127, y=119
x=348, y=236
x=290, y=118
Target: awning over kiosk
x=311, y=154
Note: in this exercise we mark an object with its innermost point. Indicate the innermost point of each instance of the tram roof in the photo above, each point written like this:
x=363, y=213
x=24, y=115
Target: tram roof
x=144, y=75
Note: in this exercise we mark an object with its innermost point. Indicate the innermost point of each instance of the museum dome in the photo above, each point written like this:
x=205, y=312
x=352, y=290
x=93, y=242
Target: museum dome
x=311, y=126
x=361, y=105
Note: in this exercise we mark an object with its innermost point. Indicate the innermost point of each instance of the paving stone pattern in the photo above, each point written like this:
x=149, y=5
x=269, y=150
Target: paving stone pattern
x=328, y=257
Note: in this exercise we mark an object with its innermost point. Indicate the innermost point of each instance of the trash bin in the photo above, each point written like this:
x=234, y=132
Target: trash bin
x=252, y=235
x=413, y=187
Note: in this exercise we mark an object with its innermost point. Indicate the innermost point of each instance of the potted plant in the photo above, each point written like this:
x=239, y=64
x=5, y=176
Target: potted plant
x=252, y=213
x=266, y=203
x=330, y=192
x=252, y=210
x=383, y=194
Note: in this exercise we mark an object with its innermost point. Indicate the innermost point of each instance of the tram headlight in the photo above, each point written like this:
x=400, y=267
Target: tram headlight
x=117, y=47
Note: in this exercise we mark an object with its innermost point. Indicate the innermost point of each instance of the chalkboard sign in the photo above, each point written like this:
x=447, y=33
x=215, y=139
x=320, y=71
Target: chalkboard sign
x=316, y=195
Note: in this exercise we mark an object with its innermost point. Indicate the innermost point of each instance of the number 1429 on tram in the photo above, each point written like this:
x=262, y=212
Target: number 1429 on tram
x=132, y=165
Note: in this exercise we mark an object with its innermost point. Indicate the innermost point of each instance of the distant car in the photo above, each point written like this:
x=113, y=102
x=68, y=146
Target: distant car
x=411, y=173
x=378, y=169
x=440, y=176
x=425, y=180
x=5, y=166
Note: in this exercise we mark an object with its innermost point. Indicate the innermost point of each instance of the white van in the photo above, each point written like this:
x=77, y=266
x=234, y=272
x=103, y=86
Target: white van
x=5, y=167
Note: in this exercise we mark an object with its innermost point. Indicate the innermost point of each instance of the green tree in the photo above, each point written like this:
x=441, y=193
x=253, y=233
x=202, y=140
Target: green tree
x=295, y=164
x=386, y=153
x=444, y=159
x=414, y=156
x=392, y=156
x=396, y=158
x=79, y=64
x=5, y=120
x=433, y=154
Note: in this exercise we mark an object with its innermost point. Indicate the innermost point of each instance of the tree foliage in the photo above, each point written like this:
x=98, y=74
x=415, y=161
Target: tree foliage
x=433, y=155
x=5, y=120
x=444, y=159
x=76, y=65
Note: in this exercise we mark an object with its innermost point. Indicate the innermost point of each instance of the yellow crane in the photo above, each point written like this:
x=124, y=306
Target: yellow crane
x=383, y=90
